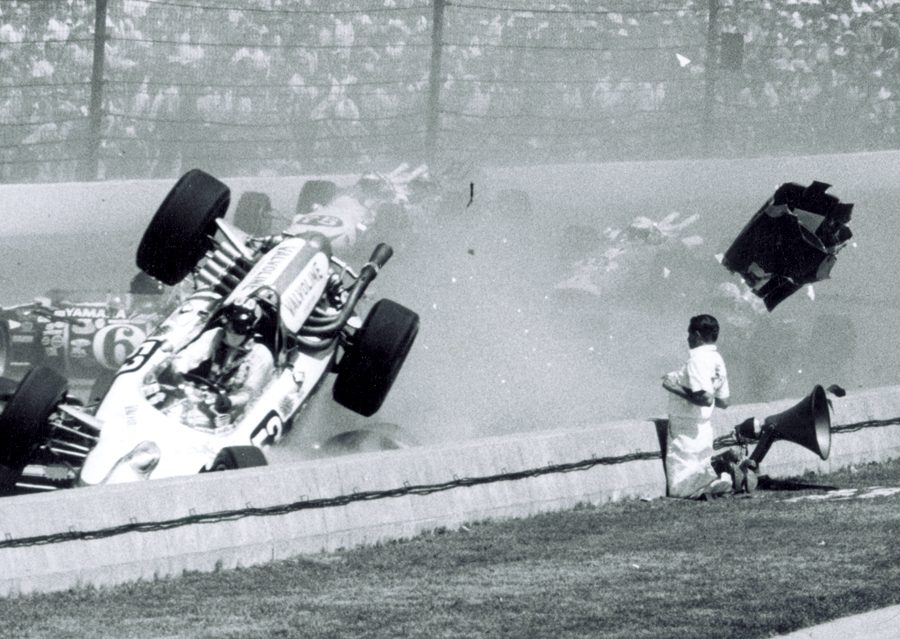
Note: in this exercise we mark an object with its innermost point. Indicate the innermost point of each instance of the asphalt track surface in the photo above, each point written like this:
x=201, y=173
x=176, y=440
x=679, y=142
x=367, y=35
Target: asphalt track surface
x=500, y=352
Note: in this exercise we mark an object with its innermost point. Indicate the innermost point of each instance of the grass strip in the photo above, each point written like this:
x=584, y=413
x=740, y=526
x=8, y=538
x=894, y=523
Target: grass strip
x=734, y=567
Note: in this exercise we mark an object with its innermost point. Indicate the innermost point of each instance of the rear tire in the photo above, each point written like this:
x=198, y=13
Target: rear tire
x=181, y=231
x=8, y=478
x=314, y=192
x=235, y=457
x=369, y=367
x=23, y=424
x=253, y=213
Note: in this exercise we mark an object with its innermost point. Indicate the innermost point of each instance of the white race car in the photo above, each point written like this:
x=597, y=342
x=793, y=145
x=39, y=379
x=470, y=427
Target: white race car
x=152, y=424
x=354, y=219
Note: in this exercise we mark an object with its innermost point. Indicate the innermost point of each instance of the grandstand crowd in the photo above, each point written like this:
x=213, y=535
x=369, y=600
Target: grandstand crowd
x=287, y=86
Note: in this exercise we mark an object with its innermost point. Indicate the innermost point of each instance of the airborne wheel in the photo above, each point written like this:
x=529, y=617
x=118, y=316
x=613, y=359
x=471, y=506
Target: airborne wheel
x=369, y=367
x=235, y=457
x=181, y=231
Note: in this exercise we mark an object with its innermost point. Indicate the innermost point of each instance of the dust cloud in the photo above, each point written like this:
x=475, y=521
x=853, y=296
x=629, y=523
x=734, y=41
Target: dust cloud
x=501, y=349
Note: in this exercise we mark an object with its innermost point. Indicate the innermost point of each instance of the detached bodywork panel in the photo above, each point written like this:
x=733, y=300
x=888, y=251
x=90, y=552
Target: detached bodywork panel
x=793, y=240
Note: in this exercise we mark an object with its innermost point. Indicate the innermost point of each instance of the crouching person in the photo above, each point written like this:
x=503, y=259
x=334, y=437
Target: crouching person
x=694, y=391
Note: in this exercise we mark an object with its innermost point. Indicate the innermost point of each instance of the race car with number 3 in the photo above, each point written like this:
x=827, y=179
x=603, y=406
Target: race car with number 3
x=150, y=424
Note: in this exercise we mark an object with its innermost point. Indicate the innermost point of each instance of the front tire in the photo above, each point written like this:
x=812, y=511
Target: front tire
x=235, y=457
x=24, y=423
x=369, y=367
x=181, y=231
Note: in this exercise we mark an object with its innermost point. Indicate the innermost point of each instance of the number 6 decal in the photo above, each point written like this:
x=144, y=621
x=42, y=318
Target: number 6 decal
x=115, y=342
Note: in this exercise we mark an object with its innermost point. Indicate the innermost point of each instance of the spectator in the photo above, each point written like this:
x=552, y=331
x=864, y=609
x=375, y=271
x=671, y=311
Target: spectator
x=699, y=386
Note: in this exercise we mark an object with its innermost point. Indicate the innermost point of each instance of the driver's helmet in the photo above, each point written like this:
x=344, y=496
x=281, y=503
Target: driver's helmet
x=242, y=316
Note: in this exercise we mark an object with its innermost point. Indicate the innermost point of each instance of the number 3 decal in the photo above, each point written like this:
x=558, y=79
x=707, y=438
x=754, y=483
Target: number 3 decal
x=269, y=431
x=140, y=356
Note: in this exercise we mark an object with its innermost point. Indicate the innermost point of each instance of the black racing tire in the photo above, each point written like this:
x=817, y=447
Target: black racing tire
x=8, y=478
x=23, y=424
x=4, y=347
x=314, y=192
x=368, y=369
x=235, y=457
x=181, y=230
x=253, y=213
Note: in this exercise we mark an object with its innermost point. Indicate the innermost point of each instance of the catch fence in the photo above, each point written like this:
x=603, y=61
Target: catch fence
x=100, y=89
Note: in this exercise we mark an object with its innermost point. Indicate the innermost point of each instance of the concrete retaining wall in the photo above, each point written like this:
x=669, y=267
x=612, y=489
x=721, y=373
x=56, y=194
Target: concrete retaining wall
x=126, y=205
x=97, y=207
x=258, y=539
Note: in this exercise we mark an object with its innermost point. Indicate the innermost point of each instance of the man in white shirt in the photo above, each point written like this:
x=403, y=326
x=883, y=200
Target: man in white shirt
x=694, y=390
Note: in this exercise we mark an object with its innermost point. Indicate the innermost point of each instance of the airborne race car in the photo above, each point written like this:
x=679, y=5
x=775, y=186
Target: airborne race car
x=793, y=240
x=148, y=427
x=86, y=336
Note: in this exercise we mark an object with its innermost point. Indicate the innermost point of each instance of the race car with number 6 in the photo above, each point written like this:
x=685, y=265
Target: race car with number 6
x=84, y=335
x=152, y=423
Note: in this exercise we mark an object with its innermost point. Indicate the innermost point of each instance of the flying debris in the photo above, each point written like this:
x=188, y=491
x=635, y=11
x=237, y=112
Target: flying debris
x=793, y=240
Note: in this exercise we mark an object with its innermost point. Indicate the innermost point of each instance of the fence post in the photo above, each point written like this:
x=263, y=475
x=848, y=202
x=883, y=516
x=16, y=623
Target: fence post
x=95, y=114
x=434, y=80
x=709, y=74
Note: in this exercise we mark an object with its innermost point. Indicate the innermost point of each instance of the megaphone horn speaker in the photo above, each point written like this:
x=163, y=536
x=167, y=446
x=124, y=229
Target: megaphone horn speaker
x=807, y=423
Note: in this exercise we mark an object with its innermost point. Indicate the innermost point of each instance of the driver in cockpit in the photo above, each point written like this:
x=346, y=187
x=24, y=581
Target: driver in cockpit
x=230, y=356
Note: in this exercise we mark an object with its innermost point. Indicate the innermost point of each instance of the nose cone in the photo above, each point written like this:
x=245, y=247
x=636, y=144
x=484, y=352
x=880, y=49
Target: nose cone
x=106, y=464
